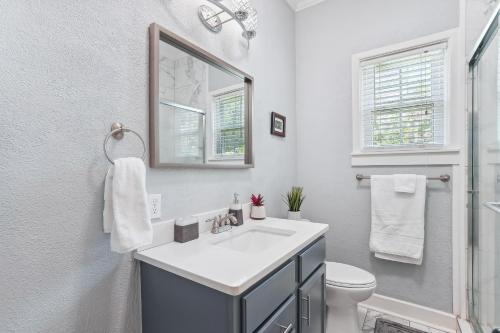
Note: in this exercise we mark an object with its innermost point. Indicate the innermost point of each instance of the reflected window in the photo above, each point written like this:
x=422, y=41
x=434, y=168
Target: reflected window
x=229, y=125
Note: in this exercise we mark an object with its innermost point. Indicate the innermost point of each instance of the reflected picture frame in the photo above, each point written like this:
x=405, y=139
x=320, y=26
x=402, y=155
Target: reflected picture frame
x=278, y=124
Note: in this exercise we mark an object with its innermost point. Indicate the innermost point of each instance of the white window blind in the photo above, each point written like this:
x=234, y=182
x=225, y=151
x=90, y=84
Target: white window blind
x=402, y=98
x=228, y=125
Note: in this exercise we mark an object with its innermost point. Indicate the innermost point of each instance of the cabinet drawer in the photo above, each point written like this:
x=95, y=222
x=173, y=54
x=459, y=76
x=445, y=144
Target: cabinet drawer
x=284, y=320
x=267, y=297
x=311, y=258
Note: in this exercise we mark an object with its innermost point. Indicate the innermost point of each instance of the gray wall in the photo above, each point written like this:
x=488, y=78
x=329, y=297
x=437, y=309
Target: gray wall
x=326, y=36
x=69, y=69
x=478, y=14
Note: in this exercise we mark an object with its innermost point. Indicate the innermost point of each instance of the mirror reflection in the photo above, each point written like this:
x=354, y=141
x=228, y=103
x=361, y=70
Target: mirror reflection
x=202, y=113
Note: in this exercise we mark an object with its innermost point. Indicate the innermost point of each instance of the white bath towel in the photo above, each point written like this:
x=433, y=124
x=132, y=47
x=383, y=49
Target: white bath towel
x=126, y=213
x=405, y=183
x=397, y=231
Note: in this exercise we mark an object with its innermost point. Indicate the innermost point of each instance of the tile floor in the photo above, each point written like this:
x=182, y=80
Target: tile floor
x=368, y=317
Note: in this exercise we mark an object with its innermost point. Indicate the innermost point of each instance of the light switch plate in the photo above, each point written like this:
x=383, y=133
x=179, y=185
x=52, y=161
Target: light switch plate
x=155, y=205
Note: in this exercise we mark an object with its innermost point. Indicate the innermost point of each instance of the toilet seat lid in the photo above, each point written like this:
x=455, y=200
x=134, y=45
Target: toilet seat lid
x=348, y=276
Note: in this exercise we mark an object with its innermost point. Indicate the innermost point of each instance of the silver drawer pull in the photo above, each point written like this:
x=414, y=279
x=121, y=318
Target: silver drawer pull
x=287, y=329
x=308, y=316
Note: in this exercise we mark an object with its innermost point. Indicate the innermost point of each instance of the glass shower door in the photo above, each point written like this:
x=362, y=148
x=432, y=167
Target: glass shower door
x=484, y=224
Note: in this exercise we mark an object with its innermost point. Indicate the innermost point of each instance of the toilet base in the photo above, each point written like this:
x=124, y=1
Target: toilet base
x=344, y=295
x=343, y=319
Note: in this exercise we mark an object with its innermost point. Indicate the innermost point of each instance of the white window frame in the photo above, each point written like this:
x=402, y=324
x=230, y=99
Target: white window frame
x=425, y=155
x=210, y=135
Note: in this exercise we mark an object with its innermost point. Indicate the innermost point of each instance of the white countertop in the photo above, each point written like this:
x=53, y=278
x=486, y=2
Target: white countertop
x=227, y=270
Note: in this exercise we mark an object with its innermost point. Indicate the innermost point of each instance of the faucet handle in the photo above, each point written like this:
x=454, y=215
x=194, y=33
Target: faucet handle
x=216, y=221
x=220, y=223
x=226, y=220
x=232, y=219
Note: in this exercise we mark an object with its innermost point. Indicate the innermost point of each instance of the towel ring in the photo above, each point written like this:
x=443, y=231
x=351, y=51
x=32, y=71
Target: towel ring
x=117, y=132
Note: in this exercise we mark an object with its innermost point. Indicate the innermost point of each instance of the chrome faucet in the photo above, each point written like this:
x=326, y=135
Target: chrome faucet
x=221, y=223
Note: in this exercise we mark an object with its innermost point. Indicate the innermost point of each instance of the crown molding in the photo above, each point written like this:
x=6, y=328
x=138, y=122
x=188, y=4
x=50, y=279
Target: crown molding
x=298, y=5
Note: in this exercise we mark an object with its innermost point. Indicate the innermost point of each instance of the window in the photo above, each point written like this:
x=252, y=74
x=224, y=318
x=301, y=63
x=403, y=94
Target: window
x=229, y=125
x=402, y=98
x=408, y=102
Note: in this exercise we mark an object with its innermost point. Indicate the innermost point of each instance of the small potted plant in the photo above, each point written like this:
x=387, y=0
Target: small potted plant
x=258, y=211
x=294, y=200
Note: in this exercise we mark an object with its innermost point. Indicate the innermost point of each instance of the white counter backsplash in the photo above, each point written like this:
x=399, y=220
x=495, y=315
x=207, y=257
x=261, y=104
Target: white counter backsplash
x=163, y=232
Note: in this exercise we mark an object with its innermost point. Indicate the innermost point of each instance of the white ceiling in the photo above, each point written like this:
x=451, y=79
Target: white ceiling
x=302, y=4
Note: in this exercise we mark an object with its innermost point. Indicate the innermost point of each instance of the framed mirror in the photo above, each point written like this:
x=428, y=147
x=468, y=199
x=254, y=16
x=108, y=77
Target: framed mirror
x=200, y=106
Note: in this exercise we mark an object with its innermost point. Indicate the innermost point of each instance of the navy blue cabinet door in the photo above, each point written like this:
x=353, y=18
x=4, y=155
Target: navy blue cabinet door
x=312, y=306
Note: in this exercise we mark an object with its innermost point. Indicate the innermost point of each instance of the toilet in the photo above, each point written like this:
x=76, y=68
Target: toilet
x=346, y=286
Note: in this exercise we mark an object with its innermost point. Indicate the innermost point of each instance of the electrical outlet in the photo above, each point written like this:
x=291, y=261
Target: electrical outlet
x=155, y=205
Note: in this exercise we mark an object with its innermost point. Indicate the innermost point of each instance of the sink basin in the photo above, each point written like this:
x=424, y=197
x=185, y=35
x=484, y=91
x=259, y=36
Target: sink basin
x=256, y=239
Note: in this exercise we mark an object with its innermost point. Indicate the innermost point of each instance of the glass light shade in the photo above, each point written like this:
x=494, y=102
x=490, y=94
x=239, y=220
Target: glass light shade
x=241, y=11
x=242, y=5
x=247, y=16
x=250, y=24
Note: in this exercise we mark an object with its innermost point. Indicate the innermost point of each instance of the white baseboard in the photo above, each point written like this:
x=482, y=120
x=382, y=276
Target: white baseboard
x=464, y=326
x=413, y=312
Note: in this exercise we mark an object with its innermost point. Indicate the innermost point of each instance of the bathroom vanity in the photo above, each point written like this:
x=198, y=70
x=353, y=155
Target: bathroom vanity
x=266, y=277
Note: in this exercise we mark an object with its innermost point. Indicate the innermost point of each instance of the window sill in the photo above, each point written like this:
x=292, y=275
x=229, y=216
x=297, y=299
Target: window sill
x=445, y=156
x=226, y=161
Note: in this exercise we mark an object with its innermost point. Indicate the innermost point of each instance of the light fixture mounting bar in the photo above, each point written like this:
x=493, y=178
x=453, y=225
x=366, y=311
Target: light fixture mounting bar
x=214, y=15
x=228, y=20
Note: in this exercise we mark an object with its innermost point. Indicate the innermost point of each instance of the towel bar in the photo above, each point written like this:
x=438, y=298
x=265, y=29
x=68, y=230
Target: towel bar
x=443, y=178
x=117, y=132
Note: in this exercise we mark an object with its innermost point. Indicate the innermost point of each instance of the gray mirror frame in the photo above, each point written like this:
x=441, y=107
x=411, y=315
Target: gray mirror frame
x=157, y=33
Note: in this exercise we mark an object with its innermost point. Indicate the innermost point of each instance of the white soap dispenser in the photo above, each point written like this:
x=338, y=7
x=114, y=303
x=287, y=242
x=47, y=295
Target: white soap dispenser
x=236, y=210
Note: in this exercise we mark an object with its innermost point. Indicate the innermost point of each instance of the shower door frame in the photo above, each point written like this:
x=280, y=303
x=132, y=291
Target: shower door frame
x=489, y=33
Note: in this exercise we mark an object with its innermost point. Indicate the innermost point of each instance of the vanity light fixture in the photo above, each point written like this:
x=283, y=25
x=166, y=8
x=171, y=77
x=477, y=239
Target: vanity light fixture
x=240, y=11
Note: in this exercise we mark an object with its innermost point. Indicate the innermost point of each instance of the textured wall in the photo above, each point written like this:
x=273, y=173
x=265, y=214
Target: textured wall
x=327, y=36
x=69, y=69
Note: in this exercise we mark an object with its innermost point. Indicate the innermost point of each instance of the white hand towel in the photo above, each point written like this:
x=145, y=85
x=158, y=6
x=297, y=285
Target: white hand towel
x=126, y=212
x=404, y=260
x=405, y=183
x=107, y=214
x=398, y=226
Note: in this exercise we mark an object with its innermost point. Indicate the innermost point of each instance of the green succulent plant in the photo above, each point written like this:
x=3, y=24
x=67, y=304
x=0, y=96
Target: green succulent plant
x=294, y=199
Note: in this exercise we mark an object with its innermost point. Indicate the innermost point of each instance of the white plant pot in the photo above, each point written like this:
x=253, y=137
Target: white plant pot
x=294, y=215
x=258, y=212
